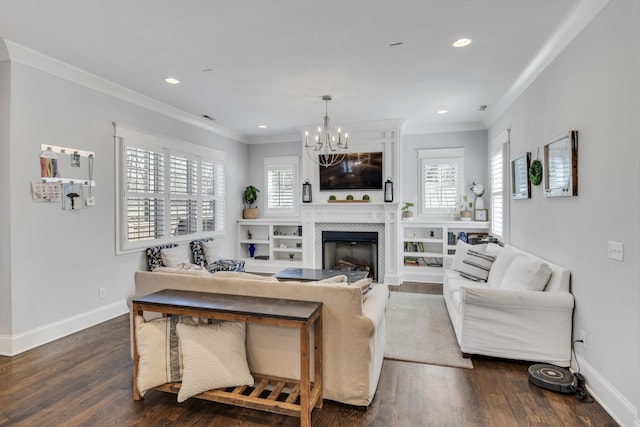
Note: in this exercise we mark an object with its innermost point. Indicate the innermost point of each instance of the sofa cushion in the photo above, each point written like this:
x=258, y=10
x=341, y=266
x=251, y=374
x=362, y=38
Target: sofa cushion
x=154, y=259
x=214, y=356
x=476, y=266
x=171, y=257
x=243, y=276
x=526, y=273
x=212, y=251
x=340, y=278
x=501, y=264
x=364, y=285
x=197, y=250
x=158, y=351
x=188, y=269
x=461, y=252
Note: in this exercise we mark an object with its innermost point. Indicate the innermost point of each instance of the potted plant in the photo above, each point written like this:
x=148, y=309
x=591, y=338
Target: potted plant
x=465, y=215
x=407, y=213
x=250, y=196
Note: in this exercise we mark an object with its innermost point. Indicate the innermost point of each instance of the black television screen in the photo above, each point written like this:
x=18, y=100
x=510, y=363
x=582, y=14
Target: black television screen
x=357, y=171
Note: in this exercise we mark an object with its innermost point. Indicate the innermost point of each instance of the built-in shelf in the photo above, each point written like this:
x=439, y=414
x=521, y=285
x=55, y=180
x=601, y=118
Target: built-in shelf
x=425, y=246
x=277, y=243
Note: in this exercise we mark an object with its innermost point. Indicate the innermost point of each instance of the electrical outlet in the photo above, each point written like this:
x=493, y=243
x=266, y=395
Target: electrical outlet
x=102, y=293
x=615, y=250
x=583, y=337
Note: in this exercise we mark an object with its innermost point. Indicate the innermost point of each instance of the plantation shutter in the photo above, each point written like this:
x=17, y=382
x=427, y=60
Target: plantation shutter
x=144, y=193
x=212, y=178
x=183, y=177
x=441, y=174
x=497, y=186
x=280, y=187
x=440, y=183
x=281, y=178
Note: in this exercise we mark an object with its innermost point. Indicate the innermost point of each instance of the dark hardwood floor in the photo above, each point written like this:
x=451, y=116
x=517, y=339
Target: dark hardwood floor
x=85, y=380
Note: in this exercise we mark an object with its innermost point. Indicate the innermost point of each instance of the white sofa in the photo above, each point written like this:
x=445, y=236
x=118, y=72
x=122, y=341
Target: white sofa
x=503, y=317
x=353, y=327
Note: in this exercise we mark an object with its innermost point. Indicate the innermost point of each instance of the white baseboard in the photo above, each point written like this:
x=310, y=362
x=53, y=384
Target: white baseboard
x=619, y=407
x=16, y=344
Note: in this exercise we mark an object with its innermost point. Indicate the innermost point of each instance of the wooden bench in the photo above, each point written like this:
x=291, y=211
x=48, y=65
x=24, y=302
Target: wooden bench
x=280, y=395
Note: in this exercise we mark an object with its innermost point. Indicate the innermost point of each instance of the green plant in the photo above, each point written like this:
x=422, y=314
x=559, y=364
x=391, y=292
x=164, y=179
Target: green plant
x=349, y=196
x=332, y=197
x=365, y=197
x=250, y=196
x=406, y=206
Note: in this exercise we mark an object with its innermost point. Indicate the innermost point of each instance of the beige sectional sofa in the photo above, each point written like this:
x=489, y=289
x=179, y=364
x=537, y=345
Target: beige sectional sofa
x=353, y=327
x=523, y=311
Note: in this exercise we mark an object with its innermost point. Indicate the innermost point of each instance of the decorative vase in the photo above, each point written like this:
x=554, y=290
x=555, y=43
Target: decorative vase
x=252, y=249
x=479, y=203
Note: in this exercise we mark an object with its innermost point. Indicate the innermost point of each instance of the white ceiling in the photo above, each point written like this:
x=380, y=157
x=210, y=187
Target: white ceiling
x=252, y=62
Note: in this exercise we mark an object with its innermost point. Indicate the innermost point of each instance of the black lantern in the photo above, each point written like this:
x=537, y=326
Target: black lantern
x=388, y=190
x=306, y=192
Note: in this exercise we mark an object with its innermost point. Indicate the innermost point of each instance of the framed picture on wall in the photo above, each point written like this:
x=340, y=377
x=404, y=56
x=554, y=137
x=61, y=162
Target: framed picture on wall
x=520, y=182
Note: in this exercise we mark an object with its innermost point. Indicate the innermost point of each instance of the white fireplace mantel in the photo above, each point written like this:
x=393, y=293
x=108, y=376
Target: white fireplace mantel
x=383, y=216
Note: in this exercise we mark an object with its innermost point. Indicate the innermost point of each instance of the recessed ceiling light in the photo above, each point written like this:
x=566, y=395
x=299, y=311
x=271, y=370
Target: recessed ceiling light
x=462, y=42
x=262, y=126
x=443, y=111
x=172, y=81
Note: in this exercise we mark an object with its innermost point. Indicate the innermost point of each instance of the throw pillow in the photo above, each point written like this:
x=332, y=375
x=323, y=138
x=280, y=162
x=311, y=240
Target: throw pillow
x=158, y=351
x=500, y=266
x=364, y=285
x=212, y=251
x=154, y=258
x=197, y=250
x=461, y=253
x=171, y=257
x=214, y=357
x=526, y=273
x=476, y=266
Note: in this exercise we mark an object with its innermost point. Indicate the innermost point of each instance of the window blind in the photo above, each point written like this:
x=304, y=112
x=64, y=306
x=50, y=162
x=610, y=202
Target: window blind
x=280, y=187
x=497, y=185
x=440, y=183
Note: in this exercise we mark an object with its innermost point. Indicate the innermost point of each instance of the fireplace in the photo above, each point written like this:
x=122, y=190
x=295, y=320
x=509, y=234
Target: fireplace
x=350, y=250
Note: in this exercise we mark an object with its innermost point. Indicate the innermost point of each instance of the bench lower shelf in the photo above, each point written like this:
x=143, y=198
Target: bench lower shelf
x=271, y=394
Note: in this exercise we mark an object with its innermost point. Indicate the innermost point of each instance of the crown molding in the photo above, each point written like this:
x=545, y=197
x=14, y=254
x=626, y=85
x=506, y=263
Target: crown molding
x=49, y=65
x=573, y=23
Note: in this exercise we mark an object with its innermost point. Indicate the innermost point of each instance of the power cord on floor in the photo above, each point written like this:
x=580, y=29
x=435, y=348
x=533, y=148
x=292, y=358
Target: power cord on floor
x=578, y=386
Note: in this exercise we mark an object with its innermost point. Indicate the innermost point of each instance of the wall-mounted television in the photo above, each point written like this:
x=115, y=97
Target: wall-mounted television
x=357, y=171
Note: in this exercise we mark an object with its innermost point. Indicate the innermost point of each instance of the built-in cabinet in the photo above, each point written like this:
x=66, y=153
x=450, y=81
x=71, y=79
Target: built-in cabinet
x=427, y=246
x=275, y=244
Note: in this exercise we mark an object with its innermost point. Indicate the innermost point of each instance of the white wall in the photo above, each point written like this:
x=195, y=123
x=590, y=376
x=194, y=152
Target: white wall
x=592, y=87
x=5, y=226
x=475, y=160
x=60, y=259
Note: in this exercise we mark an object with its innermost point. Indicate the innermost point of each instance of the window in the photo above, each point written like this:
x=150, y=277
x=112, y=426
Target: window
x=170, y=190
x=498, y=172
x=497, y=185
x=281, y=178
x=441, y=179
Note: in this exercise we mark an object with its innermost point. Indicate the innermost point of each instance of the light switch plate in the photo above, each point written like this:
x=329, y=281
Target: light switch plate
x=615, y=250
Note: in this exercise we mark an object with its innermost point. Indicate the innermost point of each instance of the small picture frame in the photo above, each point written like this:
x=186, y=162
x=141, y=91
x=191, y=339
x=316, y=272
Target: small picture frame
x=481, y=215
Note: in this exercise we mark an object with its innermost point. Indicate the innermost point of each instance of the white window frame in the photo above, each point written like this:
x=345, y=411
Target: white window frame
x=128, y=137
x=432, y=156
x=500, y=145
x=279, y=163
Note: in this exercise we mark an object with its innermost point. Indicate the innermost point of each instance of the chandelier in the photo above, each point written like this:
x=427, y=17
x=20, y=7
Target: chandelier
x=326, y=151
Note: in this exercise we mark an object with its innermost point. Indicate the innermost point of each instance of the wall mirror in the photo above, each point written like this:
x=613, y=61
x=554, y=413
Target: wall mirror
x=561, y=166
x=520, y=183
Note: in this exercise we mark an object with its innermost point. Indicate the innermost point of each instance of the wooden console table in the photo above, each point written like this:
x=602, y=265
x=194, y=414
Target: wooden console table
x=280, y=395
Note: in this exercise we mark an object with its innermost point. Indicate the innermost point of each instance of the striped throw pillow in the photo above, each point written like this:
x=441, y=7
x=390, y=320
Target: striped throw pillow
x=476, y=266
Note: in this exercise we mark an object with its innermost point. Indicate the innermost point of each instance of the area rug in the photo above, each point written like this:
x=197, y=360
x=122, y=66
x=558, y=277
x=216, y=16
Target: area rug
x=419, y=330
